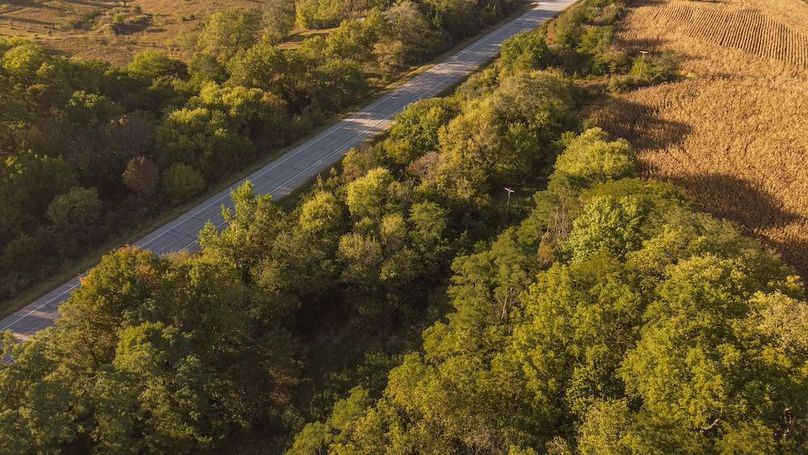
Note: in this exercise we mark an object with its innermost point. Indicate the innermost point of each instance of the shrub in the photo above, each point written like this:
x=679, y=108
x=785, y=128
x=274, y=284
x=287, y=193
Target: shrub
x=655, y=69
x=150, y=65
x=415, y=131
x=592, y=159
x=75, y=211
x=181, y=182
x=525, y=51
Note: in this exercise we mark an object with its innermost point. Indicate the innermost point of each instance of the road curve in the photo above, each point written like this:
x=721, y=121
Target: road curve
x=302, y=163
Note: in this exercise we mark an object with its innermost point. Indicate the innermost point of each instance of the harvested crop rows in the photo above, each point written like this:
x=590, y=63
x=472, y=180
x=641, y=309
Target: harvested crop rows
x=747, y=29
x=734, y=131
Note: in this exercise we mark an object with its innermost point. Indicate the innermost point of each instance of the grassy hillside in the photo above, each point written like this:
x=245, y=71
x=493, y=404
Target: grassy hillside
x=107, y=29
x=734, y=131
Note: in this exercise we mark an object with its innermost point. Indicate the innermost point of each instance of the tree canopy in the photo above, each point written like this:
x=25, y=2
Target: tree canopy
x=158, y=131
x=653, y=329
x=402, y=304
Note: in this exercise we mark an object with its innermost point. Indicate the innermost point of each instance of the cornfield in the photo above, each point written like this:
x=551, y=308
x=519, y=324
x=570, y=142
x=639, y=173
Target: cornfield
x=734, y=131
x=747, y=29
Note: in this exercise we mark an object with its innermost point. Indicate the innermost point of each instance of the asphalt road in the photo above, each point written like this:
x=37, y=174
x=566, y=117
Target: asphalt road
x=301, y=164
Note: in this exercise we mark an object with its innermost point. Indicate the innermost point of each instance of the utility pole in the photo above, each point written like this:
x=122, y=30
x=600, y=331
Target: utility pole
x=642, y=59
x=508, y=207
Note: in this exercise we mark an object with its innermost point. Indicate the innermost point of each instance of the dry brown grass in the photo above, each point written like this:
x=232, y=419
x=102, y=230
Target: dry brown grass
x=734, y=131
x=51, y=22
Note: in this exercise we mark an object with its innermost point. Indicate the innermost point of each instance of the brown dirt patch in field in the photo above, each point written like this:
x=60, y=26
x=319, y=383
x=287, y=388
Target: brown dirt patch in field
x=734, y=131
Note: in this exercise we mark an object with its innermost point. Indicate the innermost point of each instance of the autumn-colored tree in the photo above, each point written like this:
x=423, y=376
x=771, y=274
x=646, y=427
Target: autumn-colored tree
x=141, y=176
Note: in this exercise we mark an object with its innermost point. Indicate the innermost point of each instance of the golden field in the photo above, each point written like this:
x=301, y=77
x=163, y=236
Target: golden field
x=733, y=132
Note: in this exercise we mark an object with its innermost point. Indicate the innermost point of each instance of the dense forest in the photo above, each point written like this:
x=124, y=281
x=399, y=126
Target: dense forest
x=88, y=149
x=612, y=320
x=594, y=312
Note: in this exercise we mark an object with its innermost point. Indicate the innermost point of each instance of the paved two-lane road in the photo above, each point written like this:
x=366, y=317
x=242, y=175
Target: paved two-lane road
x=302, y=163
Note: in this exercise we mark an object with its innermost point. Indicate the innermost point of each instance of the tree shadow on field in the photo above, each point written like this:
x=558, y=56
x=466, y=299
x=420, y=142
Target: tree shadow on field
x=636, y=3
x=640, y=124
x=727, y=196
x=635, y=45
x=30, y=4
x=754, y=209
x=795, y=253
